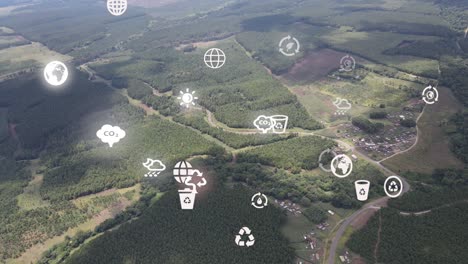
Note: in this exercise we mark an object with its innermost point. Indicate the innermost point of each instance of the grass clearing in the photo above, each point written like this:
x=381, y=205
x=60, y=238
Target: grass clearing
x=433, y=148
x=31, y=197
x=371, y=45
x=5, y=30
x=27, y=56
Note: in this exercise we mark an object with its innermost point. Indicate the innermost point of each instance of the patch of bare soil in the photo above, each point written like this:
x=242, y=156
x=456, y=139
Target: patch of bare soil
x=315, y=65
x=358, y=260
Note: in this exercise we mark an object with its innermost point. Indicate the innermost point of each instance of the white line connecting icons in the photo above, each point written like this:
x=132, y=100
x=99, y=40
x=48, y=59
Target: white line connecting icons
x=184, y=173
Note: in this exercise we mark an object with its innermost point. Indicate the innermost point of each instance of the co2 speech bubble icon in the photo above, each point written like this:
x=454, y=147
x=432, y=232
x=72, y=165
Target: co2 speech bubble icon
x=110, y=134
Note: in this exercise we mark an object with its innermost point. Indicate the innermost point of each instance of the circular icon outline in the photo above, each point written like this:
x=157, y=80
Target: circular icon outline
x=295, y=51
x=333, y=169
x=219, y=63
x=47, y=68
x=328, y=150
x=345, y=67
x=435, y=98
x=401, y=186
x=261, y=196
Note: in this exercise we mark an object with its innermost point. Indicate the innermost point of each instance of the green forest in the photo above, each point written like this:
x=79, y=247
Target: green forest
x=51, y=160
x=424, y=237
x=168, y=235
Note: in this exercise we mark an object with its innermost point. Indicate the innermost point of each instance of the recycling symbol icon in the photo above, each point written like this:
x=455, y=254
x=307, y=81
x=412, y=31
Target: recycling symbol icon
x=245, y=231
x=187, y=200
x=362, y=192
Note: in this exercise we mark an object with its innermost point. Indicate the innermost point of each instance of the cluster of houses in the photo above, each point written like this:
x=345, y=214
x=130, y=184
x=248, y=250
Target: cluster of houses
x=323, y=226
x=345, y=258
x=392, y=139
x=290, y=207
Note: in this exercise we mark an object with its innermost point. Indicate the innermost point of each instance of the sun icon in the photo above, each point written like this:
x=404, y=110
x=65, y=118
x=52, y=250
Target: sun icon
x=187, y=98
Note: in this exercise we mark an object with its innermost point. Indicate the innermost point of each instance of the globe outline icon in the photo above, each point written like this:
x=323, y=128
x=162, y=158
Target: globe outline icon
x=49, y=73
x=117, y=7
x=341, y=159
x=214, y=58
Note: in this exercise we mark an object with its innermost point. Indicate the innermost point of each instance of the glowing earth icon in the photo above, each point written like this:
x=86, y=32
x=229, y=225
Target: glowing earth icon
x=187, y=98
x=56, y=73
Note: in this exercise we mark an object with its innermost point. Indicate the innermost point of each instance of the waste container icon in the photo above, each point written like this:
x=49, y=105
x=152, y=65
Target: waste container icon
x=362, y=189
x=280, y=123
x=187, y=199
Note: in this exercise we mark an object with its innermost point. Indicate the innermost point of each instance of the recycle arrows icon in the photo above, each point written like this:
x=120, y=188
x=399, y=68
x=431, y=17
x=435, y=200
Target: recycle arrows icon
x=202, y=183
x=288, y=38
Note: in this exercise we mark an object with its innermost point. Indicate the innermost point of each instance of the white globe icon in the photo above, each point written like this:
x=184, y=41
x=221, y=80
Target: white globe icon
x=56, y=73
x=117, y=7
x=215, y=58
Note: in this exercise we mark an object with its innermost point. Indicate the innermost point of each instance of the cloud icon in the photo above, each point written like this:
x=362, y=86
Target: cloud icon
x=154, y=165
x=342, y=104
x=110, y=134
x=264, y=123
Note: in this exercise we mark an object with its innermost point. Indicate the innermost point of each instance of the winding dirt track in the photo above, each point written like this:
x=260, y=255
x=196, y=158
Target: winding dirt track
x=372, y=205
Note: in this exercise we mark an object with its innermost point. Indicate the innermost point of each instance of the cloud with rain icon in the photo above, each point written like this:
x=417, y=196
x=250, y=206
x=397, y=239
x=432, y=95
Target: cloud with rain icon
x=154, y=167
x=342, y=106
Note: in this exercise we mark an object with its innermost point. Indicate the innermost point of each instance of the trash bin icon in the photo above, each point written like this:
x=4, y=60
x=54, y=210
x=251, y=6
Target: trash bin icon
x=281, y=123
x=362, y=189
x=187, y=199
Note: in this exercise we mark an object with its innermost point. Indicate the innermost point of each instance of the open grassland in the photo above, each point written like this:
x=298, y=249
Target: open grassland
x=27, y=56
x=365, y=93
x=6, y=31
x=371, y=45
x=371, y=90
x=31, y=196
x=402, y=22
x=12, y=41
x=432, y=149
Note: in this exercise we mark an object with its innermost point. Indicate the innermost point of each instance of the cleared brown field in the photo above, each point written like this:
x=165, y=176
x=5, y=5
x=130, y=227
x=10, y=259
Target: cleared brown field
x=315, y=66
